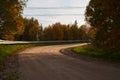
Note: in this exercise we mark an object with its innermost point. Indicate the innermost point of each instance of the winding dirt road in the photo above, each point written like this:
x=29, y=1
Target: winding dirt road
x=47, y=63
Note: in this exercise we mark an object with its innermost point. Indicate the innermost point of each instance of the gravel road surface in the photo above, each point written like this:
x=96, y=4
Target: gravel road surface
x=47, y=63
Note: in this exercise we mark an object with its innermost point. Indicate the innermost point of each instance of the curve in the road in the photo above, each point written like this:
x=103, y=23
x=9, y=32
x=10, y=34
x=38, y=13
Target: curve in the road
x=47, y=63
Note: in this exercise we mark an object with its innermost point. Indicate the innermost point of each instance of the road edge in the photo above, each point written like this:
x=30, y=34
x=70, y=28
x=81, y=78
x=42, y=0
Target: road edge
x=69, y=52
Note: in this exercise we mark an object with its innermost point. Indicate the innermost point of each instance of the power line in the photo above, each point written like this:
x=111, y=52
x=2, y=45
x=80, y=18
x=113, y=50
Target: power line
x=54, y=7
x=52, y=14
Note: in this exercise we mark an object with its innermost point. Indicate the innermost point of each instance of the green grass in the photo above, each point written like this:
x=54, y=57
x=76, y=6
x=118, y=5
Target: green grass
x=89, y=50
x=6, y=50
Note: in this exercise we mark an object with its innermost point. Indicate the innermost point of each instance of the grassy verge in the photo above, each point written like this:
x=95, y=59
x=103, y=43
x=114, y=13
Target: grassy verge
x=91, y=51
x=6, y=50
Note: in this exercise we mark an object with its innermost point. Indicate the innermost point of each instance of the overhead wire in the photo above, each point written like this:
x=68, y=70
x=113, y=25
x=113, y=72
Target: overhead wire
x=67, y=7
x=52, y=14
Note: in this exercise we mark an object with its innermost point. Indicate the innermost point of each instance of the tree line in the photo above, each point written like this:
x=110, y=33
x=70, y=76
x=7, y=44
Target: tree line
x=60, y=31
x=32, y=31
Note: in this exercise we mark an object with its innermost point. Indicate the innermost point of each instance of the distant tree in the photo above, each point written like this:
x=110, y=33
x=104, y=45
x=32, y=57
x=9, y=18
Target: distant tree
x=83, y=32
x=60, y=31
x=31, y=30
x=66, y=32
x=54, y=32
x=74, y=31
x=57, y=28
x=41, y=33
x=48, y=33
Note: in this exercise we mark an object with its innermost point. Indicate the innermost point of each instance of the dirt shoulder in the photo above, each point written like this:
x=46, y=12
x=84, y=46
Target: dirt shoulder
x=9, y=68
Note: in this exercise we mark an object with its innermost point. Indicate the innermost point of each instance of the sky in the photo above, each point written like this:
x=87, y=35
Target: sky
x=51, y=11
